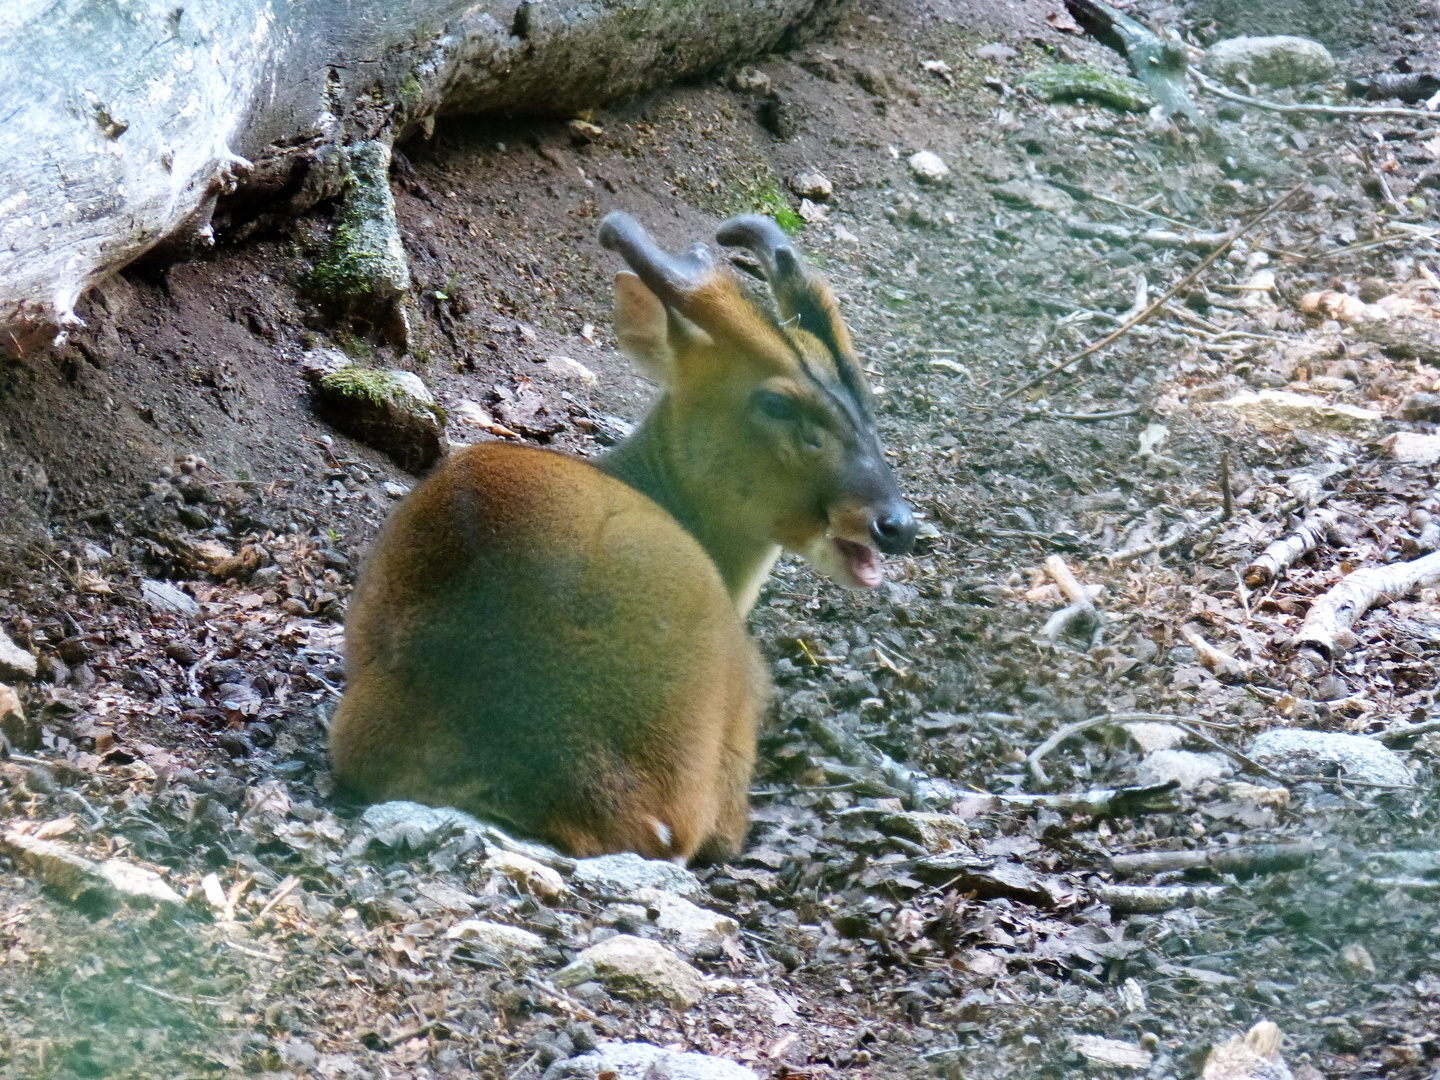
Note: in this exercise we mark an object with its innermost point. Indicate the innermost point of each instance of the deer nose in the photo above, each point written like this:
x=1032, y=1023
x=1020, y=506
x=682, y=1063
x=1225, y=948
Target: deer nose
x=894, y=530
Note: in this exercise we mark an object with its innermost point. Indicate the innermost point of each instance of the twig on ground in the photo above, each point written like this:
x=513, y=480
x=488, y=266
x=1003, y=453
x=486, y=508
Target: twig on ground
x=1069, y=731
x=1153, y=899
x=1402, y=735
x=1175, y=538
x=1220, y=663
x=1283, y=552
x=1112, y=414
x=284, y=889
x=1315, y=110
x=1260, y=858
x=1080, y=613
x=1170, y=294
x=1249, y=765
x=1099, y=802
x=1227, y=508
x=1336, y=611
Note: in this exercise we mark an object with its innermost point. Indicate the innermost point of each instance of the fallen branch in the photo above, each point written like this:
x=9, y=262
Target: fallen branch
x=1336, y=612
x=1403, y=735
x=1153, y=899
x=1219, y=663
x=1101, y=802
x=1080, y=612
x=1259, y=859
x=1170, y=294
x=1315, y=110
x=1284, y=552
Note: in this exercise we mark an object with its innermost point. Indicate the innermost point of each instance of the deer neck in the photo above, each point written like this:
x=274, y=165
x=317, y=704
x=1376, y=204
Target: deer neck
x=652, y=462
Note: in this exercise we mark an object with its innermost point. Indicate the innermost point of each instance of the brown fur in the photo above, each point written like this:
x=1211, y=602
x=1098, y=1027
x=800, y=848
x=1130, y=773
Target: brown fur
x=560, y=644
x=505, y=660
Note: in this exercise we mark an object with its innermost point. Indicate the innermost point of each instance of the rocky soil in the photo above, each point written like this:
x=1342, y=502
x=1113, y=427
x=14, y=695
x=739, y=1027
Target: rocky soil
x=1248, y=837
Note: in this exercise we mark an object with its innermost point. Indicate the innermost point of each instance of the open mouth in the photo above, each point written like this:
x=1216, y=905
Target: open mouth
x=862, y=562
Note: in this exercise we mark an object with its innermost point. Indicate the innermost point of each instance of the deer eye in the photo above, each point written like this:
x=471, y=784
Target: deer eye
x=777, y=406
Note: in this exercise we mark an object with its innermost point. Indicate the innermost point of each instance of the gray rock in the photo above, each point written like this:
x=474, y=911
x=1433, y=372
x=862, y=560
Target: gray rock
x=81, y=880
x=645, y=1061
x=15, y=663
x=696, y=931
x=1421, y=407
x=636, y=968
x=813, y=186
x=1277, y=61
x=390, y=410
x=510, y=943
x=1357, y=757
x=1189, y=768
x=750, y=81
x=420, y=828
x=168, y=600
x=1036, y=195
x=627, y=873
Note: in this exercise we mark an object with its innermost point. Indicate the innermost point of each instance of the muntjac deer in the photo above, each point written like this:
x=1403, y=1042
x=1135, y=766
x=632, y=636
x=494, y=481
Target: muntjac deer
x=560, y=644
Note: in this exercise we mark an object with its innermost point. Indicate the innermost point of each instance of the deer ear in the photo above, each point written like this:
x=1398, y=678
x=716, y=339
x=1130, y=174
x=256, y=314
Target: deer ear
x=642, y=326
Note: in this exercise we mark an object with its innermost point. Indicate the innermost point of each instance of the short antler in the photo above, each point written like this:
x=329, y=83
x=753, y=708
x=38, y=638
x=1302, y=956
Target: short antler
x=671, y=278
x=768, y=241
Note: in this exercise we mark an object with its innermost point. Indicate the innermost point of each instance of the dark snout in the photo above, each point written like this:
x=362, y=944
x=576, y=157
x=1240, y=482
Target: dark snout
x=894, y=527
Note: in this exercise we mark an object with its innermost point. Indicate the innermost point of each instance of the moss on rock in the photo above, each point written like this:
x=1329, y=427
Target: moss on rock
x=1067, y=82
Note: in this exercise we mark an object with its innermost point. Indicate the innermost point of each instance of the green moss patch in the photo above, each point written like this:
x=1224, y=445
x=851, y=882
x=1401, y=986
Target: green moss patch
x=1072, y=82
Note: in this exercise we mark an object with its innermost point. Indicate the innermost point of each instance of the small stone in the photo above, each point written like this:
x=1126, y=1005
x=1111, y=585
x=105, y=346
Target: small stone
x=566, y=367
x=1328, y=384
x=750, y=81
x=394, y=490
x=928, y=167
x=1356, y=960
x=1276, y=61
x=1413, y=448
x=20, y=733
x=16, y=664
x=696, y=931
x=193, y=517
x=505, y=942
x=645, y=1061
x=531, y=876
x=996, y=51
x=1151, y=736
x=813, y=213
x=167, y=600
x=638, y=968
x=813, y=186
x=1036, y=195
x=1104, y=1051
x=1188, y=768
x=627, y=873
x=937, y=832
x=582, y=132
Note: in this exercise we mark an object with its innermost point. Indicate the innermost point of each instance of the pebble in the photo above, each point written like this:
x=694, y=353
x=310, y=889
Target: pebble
x=1300, y=410
x=531, y=876
x=696, y=931
x=813, y=186
x=638, y=968
x=506, y=942
x=569, y=368
x=1035, y=194
x=1413, y=448
x=394, y=490
x=167, y=599
x=645, y=1061
x=15, y=663
x=750, y=81
x=1190, y=769
x=19, y=732
x=1421, y=407
x=928, y=167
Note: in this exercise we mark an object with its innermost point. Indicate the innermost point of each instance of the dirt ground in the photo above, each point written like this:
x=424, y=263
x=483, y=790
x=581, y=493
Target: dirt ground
x=177, y=430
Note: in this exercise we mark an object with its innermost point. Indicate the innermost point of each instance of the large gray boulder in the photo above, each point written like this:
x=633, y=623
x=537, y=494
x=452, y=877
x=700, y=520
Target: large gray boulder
x=1280, y=60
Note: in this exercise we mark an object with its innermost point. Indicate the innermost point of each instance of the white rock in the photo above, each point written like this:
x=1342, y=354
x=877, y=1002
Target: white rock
x=394, y=490
x=1151, y=736
x=567, y=367
x=626, y=873
x=1189, y=768
x=1289, y=409
x=1277, y=61
x=1413, y=448
x=696, y=931
x=167, y=599
x=813, y=213
x=937, y=832
x=1358, y=757
x=813, y=186
x=15, y=662
x=928, y=167
x=636, y=967
x=75, y=877
x=531, y=876
x=497, y=938
x=645, y=1061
